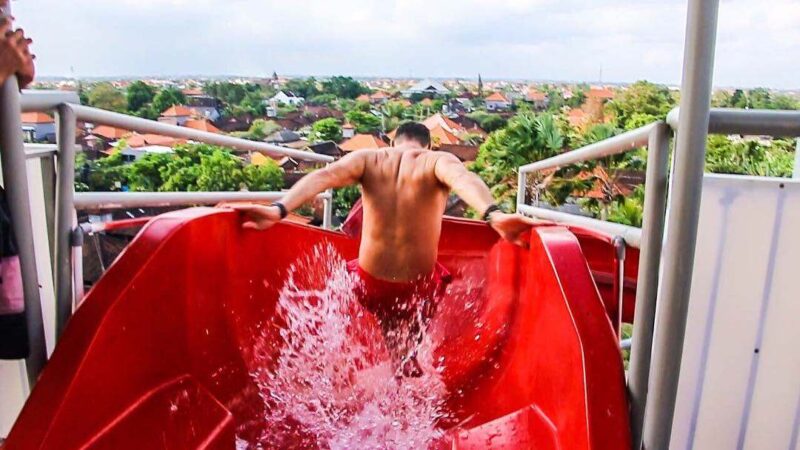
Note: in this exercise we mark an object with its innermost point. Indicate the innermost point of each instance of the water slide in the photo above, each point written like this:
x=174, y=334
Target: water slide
x=160, y=352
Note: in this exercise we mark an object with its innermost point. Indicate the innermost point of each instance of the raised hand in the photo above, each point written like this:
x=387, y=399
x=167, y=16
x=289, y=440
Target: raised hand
x=259, y=217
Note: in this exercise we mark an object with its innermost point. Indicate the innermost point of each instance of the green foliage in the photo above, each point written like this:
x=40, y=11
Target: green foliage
x=191, y=167
x=345, y=87
x=326, y=130
x=139, y=96
x=630, y=210
x=344, y=199
x=322, y=99
x=102, y=175
x=265, y=177
x=363, y=122
x=145, y=174
x=488, y=122
x=749, y=157
x=230, y=93
x=758, y=98
x=304, y=87
x=526, y=138
x=168, y=97
x=641, y=98
x=105, y=96
x=578, y=97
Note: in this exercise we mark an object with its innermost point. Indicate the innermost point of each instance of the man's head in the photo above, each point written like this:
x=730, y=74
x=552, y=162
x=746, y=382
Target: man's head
x=413, y=133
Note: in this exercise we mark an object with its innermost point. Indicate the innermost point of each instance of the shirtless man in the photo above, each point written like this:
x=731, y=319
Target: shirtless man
x=404, y=193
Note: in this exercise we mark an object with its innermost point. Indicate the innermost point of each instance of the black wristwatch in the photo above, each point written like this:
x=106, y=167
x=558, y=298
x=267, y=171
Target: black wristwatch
x=282, y=208
x=492, y=208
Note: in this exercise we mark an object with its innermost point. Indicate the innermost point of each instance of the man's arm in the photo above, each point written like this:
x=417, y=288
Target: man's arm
x=344, y=172
x=469, y=186
x=451, y=172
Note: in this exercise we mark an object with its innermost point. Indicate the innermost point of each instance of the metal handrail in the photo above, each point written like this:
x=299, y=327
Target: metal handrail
x=776, y=123
x=126, y=122
x=631, y=235
x=35, y=100
x=117, y=200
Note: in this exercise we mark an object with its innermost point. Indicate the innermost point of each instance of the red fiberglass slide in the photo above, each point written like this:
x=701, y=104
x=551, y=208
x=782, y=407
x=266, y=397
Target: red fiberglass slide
x=160, y=352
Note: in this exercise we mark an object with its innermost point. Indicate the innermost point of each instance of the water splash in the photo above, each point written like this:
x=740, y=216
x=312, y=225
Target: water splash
x=334, y=383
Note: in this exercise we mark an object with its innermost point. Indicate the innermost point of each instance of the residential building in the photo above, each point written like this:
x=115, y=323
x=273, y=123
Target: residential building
x=497, y=102
x=176, y=115
x=286, y=98
x=202, y=125
x=348, y=130
x=428, y=87
x=539, y=99
x=362, y=141
x=38, y=127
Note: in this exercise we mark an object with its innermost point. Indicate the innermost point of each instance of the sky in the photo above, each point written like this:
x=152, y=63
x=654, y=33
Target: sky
x=572, y=40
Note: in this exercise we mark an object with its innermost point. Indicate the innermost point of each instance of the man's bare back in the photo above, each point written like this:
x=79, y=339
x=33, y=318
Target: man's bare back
x=405, y=190
x=403, y=203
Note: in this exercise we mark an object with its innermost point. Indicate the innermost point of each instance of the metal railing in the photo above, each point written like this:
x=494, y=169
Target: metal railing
x=662, y=377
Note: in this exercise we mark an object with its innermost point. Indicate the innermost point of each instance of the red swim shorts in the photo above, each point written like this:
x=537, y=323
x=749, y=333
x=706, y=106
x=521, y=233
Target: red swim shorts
x=398, y=301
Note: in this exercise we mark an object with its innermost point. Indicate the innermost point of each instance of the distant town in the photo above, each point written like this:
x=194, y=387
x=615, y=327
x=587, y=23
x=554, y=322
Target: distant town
x=493, y=126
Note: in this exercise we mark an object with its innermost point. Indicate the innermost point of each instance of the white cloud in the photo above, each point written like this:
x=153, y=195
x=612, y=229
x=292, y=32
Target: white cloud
x=535, y=39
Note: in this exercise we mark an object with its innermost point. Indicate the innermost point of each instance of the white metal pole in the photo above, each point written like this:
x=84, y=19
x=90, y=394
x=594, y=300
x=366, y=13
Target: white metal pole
x=683, y=216
x=15, y=179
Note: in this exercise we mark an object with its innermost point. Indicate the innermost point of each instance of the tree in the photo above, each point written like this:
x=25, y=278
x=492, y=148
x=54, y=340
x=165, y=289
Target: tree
x=139, y=95
x=105, y=96
x=641, y=97
x=146, y=173
x=105, y=174
x=488, y=122
x=304, y=87
x=344, y=199
x=785, y=102
x=326, y=130
x=267, y=176
x=345, y=87
x=525, y=139
x=749, y=157
x=168, y=97
x=363, y=122
x=261, y=128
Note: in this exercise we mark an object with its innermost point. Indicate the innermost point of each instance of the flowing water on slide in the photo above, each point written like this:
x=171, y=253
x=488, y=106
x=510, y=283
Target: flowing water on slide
x=334, y=383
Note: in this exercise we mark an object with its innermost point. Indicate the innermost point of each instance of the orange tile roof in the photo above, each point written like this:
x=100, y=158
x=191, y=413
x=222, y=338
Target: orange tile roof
x=362, y=141
x=426, y=101
x=348, y=125
x=536, y=96
x=36, y=117
x=110, y=132
x=362, y=98
x=602, y=93
x=497, y=97
x=258, y=159
x=576, y=117
x=142, y=140
x=439, y=120
x=202, y=125
x=177, y=111
x=440, y=136
x=380, y=95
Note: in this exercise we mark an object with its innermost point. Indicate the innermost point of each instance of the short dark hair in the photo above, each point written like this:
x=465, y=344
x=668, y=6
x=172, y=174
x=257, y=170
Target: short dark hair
x=414, y=131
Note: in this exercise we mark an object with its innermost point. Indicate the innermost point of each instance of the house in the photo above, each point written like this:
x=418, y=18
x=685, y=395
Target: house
x=328, y=148
x=600, y=93
x=202, y=125
x=38, y=127
x=427, y=87
x=577, y=117
x=363, y=98
x=497, y=102
x=283, y=137
x=176, y=115
x=539, y=99
x=362, y=141
x=109, y=133
x=286, y=98
x=379, y=97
